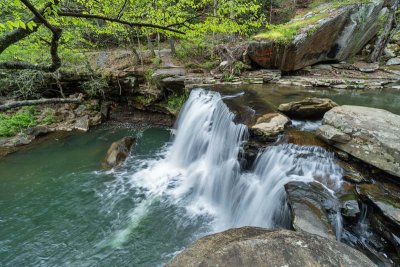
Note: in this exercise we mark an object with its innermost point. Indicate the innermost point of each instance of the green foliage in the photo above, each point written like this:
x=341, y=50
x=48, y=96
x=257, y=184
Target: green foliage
x=49, y=117
x=10, y=125
x=238, y=67
x=144, y=100
x=156, y=61
x=227, y=77
x=175, y=102
x=96, y=86
x=284, y=33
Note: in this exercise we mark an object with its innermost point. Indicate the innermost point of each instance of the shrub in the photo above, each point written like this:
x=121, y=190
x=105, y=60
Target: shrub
x=10, y=125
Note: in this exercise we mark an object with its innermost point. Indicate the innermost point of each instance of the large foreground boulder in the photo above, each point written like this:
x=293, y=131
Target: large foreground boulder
x=255, y=247
x=369, y=134
x=330, y=32
x=309, y=108
x=118, y=152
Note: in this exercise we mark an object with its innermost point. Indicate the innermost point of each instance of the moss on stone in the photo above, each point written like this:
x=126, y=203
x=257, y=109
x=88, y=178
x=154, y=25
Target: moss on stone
x=285, y=33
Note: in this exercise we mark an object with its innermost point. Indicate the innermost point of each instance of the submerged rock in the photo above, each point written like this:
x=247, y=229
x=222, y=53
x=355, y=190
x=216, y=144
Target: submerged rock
x=369, y=134
x=269, y=126
x=309, y=204
x=309, y=108
x=250, y=246
x=118, y=152
x=327, y=33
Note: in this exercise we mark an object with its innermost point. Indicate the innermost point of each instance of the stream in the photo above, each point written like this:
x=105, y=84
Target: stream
x=59, y=208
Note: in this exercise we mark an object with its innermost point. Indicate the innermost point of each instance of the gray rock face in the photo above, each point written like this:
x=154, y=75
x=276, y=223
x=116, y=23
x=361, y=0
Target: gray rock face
x=118, y=152
x=309, y=108
x=386, y=214
x=338, y=33
x=393, y=61
x=309, y=204
x=249, y=246
x=369, y=134
x=270, y=125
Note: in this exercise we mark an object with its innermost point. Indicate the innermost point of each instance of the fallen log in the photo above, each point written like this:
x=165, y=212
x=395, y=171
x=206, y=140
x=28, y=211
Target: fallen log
x=41, y=101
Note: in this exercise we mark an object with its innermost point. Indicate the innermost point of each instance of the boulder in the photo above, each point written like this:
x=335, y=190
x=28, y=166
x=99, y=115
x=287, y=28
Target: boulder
x=327, y=33
x=270, y=125
x=309, y=108
x=82, y=123
x=250, y=246
x=118, y=152
x=369, y=134
x=393, y=61
x=309, y=204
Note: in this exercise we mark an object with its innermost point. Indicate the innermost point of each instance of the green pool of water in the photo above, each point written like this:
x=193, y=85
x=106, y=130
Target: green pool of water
x=58, y=208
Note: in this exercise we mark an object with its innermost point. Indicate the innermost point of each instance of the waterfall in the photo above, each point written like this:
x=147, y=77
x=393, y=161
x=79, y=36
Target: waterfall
x=260, y=195
x=200, y=169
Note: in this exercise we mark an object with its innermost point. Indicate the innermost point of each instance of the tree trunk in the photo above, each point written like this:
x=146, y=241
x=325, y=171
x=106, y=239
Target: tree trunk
x=172, y=45
x=383, y=39
x=150, y=46
x=41, y=101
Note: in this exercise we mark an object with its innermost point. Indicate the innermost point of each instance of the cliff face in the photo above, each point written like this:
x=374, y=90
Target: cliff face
x=330, y=32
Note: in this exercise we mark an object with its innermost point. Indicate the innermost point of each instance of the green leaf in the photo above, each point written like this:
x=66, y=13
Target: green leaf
x=22, y=24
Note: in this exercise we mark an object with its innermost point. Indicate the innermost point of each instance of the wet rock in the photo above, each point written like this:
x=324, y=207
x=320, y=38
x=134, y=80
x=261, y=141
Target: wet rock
x=270, y=125
x=82, y=123
x=349, y=200
x=374, y=135
x=118, y=152
x=250, y=246
x=37, y=131
x=105, y=110
x=342, y=155
x=310, y=204
x=393, y=61
x=331, y=134
x=385, y=197
x=95, y=120
x=337, y=33
x=351, y=174
x=309, y=108
x=385, y=218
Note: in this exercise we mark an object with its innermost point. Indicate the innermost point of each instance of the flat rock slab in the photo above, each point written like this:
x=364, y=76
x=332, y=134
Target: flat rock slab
x=369, y=134
x=250, y=246
x=308, y=203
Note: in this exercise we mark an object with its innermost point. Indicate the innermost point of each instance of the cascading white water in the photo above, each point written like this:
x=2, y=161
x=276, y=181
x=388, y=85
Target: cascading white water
x=260, y=194
x=201, y=172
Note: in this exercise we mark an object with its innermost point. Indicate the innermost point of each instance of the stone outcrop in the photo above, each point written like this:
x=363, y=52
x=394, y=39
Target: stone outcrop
x=255, y=247
x=369, y=134
x=310, y=204
x=118, y=152
x=269, y=126
x=309, y=108
x=327, y=33
x=385, y=219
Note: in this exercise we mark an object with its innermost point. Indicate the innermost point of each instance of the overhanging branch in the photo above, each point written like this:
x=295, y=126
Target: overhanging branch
x=124, y=22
